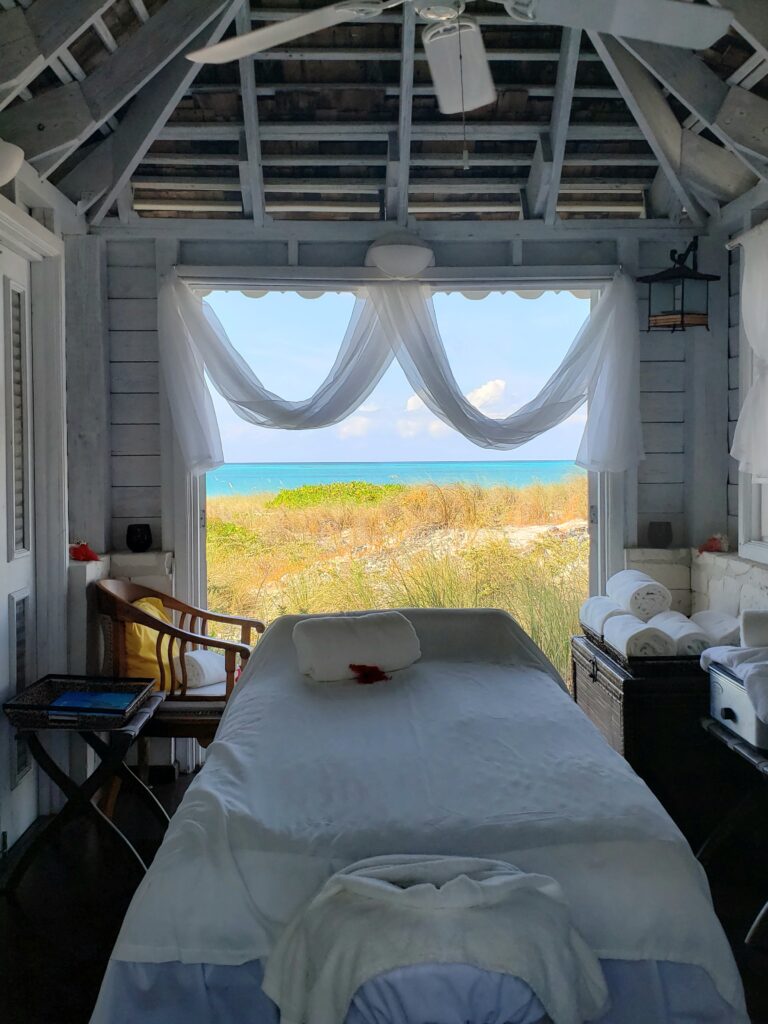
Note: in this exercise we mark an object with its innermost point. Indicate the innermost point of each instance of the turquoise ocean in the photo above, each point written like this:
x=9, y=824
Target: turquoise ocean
x=268, y=477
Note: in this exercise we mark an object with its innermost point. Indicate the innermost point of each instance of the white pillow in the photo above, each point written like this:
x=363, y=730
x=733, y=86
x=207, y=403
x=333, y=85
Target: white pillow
x=326, y=646
x=203, y=668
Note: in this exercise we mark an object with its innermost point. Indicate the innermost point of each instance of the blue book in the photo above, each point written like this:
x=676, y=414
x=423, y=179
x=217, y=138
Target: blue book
x=92, y=701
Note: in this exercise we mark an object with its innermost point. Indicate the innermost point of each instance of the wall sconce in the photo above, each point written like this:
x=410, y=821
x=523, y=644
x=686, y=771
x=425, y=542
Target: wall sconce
x=678, y=298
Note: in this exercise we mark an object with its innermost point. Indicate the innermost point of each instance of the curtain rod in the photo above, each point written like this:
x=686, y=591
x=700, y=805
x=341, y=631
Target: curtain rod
x=756, y=230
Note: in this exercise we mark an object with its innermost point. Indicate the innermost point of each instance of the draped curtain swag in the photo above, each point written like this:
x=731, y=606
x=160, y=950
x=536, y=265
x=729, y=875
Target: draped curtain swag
x=396, y=320
x=750, y=442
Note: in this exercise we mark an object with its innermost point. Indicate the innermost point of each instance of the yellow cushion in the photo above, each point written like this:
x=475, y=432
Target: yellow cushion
x=141, y=644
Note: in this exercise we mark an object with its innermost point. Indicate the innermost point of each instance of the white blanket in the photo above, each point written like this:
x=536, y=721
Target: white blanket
x=687, y=637
x=328, y=645
x=635, y=639
x=476, y=750
x=432, y=910
x=638, y=593
x=595, y=612
x=719, y=627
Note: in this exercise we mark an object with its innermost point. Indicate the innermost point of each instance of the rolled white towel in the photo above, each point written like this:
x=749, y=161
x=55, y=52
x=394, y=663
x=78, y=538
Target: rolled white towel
x=638, y=593
x=754, y=629
x=204, y=668
x=756, y=685
x=688, y=638
x=735, y=658
x=596, y=611
x=635, y=639
x=721, y=629
x=326, y=646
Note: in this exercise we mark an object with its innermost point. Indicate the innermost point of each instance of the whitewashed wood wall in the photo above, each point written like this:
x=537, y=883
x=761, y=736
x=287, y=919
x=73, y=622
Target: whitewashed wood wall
x=734, y=322
x=134, y=385
x=686, y=403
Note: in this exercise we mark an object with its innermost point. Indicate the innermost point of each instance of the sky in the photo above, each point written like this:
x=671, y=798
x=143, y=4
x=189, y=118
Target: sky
x=502, y=350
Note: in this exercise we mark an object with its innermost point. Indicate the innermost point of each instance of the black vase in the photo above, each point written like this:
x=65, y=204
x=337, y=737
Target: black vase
x=138, y=537
x=659, y=534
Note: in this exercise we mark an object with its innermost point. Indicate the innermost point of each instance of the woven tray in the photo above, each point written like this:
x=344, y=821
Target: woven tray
x=645, y=666
x=31, y=709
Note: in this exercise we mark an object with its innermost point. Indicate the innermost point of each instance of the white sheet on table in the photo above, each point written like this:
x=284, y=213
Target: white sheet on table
x=474, y=751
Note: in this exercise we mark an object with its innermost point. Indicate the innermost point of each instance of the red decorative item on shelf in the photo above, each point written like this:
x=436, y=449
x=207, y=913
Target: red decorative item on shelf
x=366, y=674
x=717, y=542
x=83, y=552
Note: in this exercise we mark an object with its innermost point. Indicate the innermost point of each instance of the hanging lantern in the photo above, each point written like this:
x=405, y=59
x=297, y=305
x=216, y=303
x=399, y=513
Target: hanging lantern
x=678, y=298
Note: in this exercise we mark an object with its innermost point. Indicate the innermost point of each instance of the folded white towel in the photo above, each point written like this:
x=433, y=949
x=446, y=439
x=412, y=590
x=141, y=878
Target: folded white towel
x=638, y=593
x=327, y=645
x=203, y=668
x=754, y=629
x=596, y=611
x=634, y=639
x=734, y=658
x=719, y=627
x=388, y=912
x=756, y=685
x=688, y=638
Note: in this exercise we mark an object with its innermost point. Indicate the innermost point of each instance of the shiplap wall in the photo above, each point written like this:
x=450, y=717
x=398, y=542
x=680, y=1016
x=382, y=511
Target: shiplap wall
x=134, y=385
x=661, y=475
x=734, y=320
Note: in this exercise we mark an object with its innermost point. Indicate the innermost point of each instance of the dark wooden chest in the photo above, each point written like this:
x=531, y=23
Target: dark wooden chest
x=654, y=721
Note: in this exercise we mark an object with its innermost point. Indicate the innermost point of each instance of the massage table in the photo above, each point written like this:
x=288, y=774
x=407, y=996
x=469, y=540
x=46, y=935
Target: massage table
x=477, y=750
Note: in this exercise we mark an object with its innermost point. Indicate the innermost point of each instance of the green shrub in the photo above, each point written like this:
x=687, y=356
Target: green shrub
x=353, y=492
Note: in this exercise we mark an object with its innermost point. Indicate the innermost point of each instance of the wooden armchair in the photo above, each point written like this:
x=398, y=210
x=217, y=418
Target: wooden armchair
x=184, y=713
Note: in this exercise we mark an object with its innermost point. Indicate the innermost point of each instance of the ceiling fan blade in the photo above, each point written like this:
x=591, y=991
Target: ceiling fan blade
x=459, y=65
x=675, y=23
x=272, y=35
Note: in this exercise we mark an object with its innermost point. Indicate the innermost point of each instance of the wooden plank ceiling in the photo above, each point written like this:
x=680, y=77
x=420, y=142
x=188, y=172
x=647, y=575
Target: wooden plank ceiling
x=343, y=125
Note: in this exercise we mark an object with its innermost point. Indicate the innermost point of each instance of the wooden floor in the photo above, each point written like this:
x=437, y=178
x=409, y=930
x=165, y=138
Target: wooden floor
x=56, y=933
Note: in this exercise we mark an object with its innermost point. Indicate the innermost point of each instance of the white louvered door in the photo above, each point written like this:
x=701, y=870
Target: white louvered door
x=18, y=787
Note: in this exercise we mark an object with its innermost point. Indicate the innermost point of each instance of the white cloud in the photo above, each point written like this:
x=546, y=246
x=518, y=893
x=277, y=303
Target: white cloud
x=409, y=428
x=413, y=404
x=438, y=429
x=488, y=393
x=580, y=416
x=369, y=407
x=355, y=426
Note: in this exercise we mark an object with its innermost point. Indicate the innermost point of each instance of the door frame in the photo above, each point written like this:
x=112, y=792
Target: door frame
x=24, y=235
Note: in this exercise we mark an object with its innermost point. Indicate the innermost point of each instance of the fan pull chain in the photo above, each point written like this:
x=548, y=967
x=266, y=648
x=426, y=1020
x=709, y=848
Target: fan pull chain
x=465, y=150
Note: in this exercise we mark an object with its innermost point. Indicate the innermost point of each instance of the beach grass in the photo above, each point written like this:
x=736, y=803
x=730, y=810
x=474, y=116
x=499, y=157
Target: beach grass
x=348, y=546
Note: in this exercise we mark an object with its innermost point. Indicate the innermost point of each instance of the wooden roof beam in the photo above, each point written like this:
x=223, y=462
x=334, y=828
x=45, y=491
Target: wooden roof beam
x=594, y=92
x=59, y=120
x=653, y=114
x=750, y=19
x=30, y=38
x=107, y=169
x=251, y=174
x=561, y=114
x=378, y=131
x=398, y=172
x=369, y=53
x=735, y=116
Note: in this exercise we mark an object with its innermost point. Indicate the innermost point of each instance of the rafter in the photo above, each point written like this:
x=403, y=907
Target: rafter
x=115, y=159
x=91, y=102
x=251, y=175
x=750, y=18
x=30, y=38
x=399, y=149
x=653, y=114
x=561, y=113
x=737, y=117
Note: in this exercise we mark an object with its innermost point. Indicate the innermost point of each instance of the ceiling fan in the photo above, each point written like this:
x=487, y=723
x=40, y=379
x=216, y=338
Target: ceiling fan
x=454, y=47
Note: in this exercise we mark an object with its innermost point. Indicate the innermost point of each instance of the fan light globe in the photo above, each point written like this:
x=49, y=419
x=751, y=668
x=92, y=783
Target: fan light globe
x=11, y=159
x=400, y=255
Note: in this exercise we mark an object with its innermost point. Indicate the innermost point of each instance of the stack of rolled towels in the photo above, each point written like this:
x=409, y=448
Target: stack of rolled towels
x=635, y=618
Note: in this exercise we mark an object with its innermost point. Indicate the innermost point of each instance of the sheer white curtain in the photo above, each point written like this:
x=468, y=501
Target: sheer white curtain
x=397, y=320
x=750, y=442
